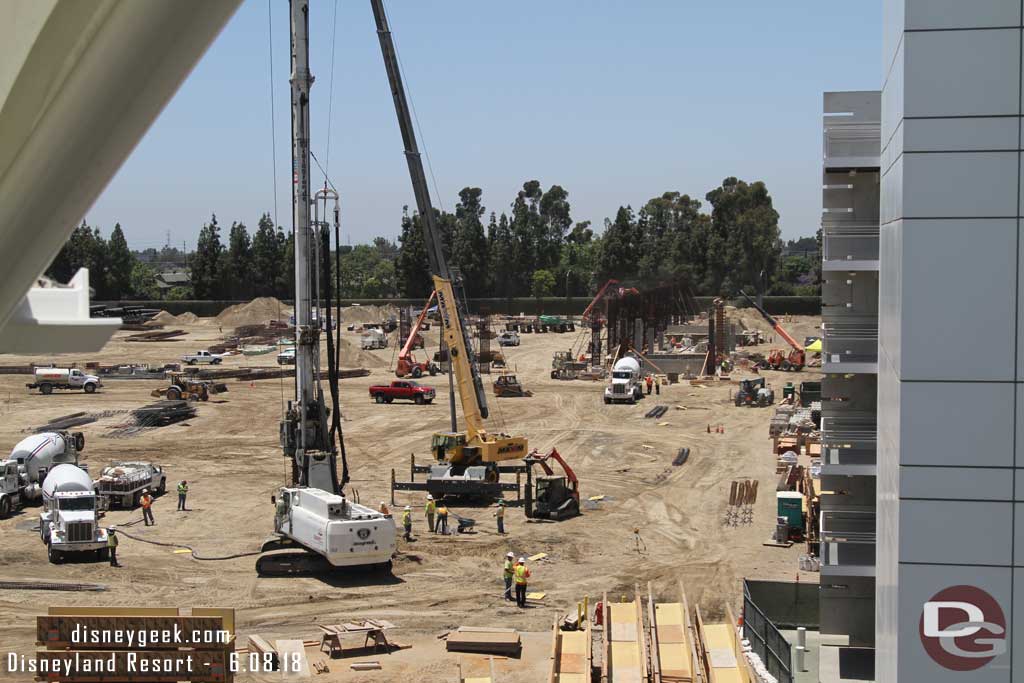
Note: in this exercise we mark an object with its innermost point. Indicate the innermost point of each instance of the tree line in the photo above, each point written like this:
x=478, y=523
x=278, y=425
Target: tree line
x=535, y=248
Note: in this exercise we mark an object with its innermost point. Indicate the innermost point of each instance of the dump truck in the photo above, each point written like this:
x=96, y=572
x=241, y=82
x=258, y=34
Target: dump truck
x=48, y=379
x=120, y=484
x=68, y=521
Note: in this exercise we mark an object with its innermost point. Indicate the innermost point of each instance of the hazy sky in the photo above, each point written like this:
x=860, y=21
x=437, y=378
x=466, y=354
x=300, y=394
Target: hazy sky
x=617, y=101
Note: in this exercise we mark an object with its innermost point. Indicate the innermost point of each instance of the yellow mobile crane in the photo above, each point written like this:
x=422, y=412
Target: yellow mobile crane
x=467, y=460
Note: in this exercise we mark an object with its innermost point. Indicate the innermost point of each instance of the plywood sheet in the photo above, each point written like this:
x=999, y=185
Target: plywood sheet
x=286, y=651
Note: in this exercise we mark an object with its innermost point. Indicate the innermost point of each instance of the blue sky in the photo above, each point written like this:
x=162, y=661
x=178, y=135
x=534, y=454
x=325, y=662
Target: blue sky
x=617, y=101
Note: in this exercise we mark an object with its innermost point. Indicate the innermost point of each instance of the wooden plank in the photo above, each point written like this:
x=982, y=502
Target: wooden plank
x=655, y=645
x=605, y=642
x=496, y=643
x=555, y=663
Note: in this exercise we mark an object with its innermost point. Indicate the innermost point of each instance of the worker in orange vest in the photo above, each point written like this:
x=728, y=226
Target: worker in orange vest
x=650, y=384
x=522, y=576
x=147, y=507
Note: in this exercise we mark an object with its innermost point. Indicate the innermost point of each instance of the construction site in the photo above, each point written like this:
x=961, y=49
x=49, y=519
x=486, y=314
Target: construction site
x=648, y=517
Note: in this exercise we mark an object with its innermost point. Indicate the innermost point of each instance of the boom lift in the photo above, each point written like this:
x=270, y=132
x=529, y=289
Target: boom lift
x=777, y=358
x=468, y=461
x=407, y=364
x=312, y=514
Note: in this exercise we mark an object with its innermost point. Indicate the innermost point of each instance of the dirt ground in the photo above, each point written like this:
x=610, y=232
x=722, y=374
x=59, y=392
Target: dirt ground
x=230, y=456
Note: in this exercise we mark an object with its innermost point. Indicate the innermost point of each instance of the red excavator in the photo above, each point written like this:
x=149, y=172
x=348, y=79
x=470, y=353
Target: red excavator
x=779, y=359
x=551, y=496
x=407, y=365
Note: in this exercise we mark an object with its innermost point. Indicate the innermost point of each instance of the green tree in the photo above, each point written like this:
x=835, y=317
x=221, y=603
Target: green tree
x=179, y=293
x=412, y=270
x=120, y=263
x=542, y=284
x=745, y=246
x=501, y=256
x=239, y=270
x=143, y=282
x=286, y=275
x=619, y=247
x=469, y=244
x=267, y=254
x=207, y=262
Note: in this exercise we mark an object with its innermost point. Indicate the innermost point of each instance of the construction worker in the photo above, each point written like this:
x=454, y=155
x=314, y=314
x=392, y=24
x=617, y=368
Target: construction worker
x=430, y=509
x=657, y=388
x=510, y=568
x=407, y=522
x=383, y=509
x=442, y=520
x=522, y=576
x=280, y=512
x=182, y=492
x=650, y=384
x=499, y=514
x=147, y=508
x=112, y=546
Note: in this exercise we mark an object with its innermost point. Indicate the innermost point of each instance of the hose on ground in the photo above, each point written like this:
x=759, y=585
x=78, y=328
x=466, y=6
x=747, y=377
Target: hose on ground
x=195, y=555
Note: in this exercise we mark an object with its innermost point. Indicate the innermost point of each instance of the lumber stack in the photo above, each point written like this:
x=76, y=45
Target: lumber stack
x=156, y=335
x=495, y=641
x=571, y=655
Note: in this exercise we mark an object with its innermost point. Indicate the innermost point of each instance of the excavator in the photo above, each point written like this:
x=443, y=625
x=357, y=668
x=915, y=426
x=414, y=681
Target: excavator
x=468, y=462
x=407, y=364
x=779, y=359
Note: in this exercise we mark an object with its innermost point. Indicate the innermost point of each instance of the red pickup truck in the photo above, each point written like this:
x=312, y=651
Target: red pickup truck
x=402, y=389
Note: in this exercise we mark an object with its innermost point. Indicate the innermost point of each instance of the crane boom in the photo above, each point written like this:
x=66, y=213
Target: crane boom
x=407, y=347
x=774, y=323
x=467, y=376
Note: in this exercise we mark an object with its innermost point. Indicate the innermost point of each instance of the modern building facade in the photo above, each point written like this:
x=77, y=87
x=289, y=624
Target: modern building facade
x=850, y=229
x=949, y=571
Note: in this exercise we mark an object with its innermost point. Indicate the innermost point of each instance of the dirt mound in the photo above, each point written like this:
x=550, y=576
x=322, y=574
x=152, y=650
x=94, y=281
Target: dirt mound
x=260, y=310
x=367, y=314
x=164, y=318
x=353, y=356
x=188, y=318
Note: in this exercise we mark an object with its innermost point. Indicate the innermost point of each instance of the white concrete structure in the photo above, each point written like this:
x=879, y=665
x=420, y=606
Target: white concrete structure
x=951, y=371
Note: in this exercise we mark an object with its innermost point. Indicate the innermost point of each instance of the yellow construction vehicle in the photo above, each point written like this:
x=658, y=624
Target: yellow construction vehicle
x=467, y=461
x=182, y=387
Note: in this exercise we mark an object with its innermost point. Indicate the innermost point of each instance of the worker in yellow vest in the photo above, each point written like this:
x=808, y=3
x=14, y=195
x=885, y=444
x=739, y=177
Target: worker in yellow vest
x=510, y=568
x=442, y=520
x=112, y=546
x=522, y=576
x=407, y=522
x=430, y=509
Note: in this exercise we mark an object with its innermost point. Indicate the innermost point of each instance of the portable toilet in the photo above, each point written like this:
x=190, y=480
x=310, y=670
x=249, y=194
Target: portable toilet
x=790, y=506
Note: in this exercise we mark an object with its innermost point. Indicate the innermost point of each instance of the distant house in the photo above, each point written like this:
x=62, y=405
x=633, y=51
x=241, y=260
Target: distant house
x=172, y=278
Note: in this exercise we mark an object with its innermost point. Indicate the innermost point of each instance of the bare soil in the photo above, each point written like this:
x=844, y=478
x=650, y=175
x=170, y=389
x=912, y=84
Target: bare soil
x=231, y=458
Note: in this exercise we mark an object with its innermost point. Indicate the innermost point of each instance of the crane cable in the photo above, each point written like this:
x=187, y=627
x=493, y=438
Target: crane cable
x=412, y=107
x=273, y=125
x=330, y=99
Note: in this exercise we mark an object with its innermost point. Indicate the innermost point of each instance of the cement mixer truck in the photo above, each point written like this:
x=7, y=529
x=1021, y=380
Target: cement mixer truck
x=23, y=472
x=68, y=521
x=624, y=386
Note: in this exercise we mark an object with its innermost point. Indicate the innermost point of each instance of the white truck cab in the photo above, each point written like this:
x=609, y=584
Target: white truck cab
x=68, y=522
x=624, y=385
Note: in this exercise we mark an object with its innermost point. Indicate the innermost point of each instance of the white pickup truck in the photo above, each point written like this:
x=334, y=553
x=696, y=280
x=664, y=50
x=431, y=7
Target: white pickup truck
x=202, y=357
x=48, y=379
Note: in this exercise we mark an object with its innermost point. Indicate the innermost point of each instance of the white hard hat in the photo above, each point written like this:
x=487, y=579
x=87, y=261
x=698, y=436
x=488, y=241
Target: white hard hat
x=430, y=497
x=383, y=503
x=408, y=508
x=509, y=555
x=522, y=559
